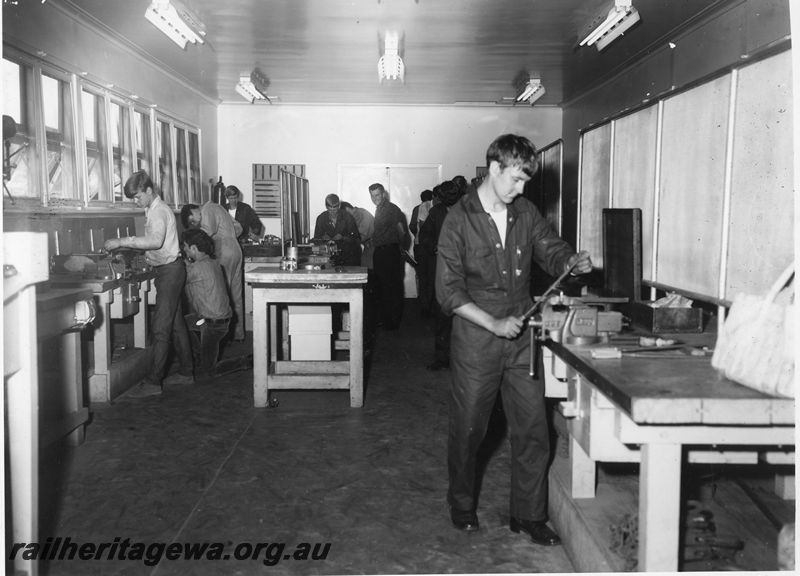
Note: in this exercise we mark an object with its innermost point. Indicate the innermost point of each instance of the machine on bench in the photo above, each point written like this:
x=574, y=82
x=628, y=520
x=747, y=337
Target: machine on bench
x=570, y=320
x=119, y=265
x=118, y=271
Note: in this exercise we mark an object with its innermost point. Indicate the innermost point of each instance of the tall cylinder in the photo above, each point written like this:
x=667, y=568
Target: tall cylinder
x=218, y=192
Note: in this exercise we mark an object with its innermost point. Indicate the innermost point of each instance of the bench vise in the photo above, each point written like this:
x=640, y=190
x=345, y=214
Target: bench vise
x=571, y=321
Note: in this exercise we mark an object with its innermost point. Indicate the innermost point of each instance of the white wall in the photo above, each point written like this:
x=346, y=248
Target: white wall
x=322, y=137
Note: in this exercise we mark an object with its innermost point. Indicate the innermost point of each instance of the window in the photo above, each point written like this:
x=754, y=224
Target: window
x=121, y=146
x=195, y=186
x=20, y=175
x=71, y=139
x=94, y=131
x=143, y=133
x=60, y=134
x=181, y=166
x=164, y=151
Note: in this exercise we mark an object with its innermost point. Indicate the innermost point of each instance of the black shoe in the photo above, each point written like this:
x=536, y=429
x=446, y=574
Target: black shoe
x=539, y=532
x=438, y=365
x=464, y=520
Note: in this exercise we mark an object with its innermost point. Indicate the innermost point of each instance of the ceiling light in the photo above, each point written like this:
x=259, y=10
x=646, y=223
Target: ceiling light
x=177, y=21
x=253, y=87
x=390, y=65
x=619, y=19
x=530, y=90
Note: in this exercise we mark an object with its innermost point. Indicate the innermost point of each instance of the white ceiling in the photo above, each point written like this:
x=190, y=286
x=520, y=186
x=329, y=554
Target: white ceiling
x=326, y=51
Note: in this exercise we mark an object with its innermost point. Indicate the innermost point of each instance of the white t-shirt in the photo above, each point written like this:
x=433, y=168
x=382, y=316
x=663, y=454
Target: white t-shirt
x=501, y=221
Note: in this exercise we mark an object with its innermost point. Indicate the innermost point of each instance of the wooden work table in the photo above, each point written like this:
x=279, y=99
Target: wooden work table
x=116, y=299
x=272, y=286
x=661, y=410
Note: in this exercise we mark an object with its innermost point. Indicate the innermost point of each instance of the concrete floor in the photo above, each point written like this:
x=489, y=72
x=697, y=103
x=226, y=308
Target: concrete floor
x=201, y=465
x=363, y=488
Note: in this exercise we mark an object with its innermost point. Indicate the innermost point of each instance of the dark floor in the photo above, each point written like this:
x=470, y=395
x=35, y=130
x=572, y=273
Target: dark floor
x=201, y=465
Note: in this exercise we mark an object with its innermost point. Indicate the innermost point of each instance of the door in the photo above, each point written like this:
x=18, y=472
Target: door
x=404, y=182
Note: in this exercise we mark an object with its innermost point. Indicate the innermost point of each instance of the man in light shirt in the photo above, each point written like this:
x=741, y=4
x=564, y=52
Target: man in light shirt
x=162, y=252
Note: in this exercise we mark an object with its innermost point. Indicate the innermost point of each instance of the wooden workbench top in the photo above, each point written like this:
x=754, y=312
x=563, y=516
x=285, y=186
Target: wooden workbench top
x=98, y=285
x=338, y=275
x=51, y=298
x=675, y=390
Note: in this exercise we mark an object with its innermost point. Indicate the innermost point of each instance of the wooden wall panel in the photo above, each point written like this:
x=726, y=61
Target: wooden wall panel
x=692, y=183
x=634, y=173
x=761, y=235
x=595, y=171
x=551, y=185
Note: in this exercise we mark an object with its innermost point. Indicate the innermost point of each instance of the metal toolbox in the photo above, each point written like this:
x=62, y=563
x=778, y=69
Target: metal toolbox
x=664, y=320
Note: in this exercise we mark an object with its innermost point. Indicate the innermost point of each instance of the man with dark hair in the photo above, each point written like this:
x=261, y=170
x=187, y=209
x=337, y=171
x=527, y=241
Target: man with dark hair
x=207, y=294
x=162, y=252
x=483, y=274
x=423, y=257
x=339, y=226
x=215, y=221
x=391, y=238
x=449, y=194
x=461, y=183
x=244, y=214
x=365, y=222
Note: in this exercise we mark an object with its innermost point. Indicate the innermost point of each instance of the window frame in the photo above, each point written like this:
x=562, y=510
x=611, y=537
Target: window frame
x=67, y=131
x=31, y=122
x=126, y=155
x=39, y=139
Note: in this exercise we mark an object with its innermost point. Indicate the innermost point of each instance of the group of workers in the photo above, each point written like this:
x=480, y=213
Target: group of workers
x=376, y=242
x=474, y=252
x=204, y=263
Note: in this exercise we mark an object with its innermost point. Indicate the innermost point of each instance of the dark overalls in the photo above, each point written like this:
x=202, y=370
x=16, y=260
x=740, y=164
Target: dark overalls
x=473, y=266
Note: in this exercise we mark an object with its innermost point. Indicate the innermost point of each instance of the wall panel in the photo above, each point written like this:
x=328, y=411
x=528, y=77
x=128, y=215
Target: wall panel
x=634, y=173
x=595, y=172
x=761, y=235
x=692, y=183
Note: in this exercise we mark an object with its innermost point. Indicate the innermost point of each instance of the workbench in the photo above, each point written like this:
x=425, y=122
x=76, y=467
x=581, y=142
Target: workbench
x=116, y=299
x=272, y=287
x=662, y=411
x=251, y=262
x=43, y=390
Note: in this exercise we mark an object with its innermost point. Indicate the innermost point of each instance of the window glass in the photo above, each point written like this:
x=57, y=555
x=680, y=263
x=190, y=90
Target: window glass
x=19, y=157
x=144, y=152
x=94, y=131
x=60, y=133
x=181, y=166
x=121, y=147
x=194, y=169
x=164, y=150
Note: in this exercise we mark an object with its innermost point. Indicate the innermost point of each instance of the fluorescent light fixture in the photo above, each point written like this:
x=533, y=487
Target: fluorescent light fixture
x=531, y=91
x=620, y=18
x=177, y=21
x=390, y=65
x=254, y=86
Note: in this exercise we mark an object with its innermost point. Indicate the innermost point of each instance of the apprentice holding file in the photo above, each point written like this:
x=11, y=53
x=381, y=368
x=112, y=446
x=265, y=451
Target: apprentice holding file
x=483, y=275
x=162, y=251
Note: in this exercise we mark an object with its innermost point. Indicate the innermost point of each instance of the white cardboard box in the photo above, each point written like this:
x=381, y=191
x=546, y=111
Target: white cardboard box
x=310, y=332
x=310, y=346
x=305, y=319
